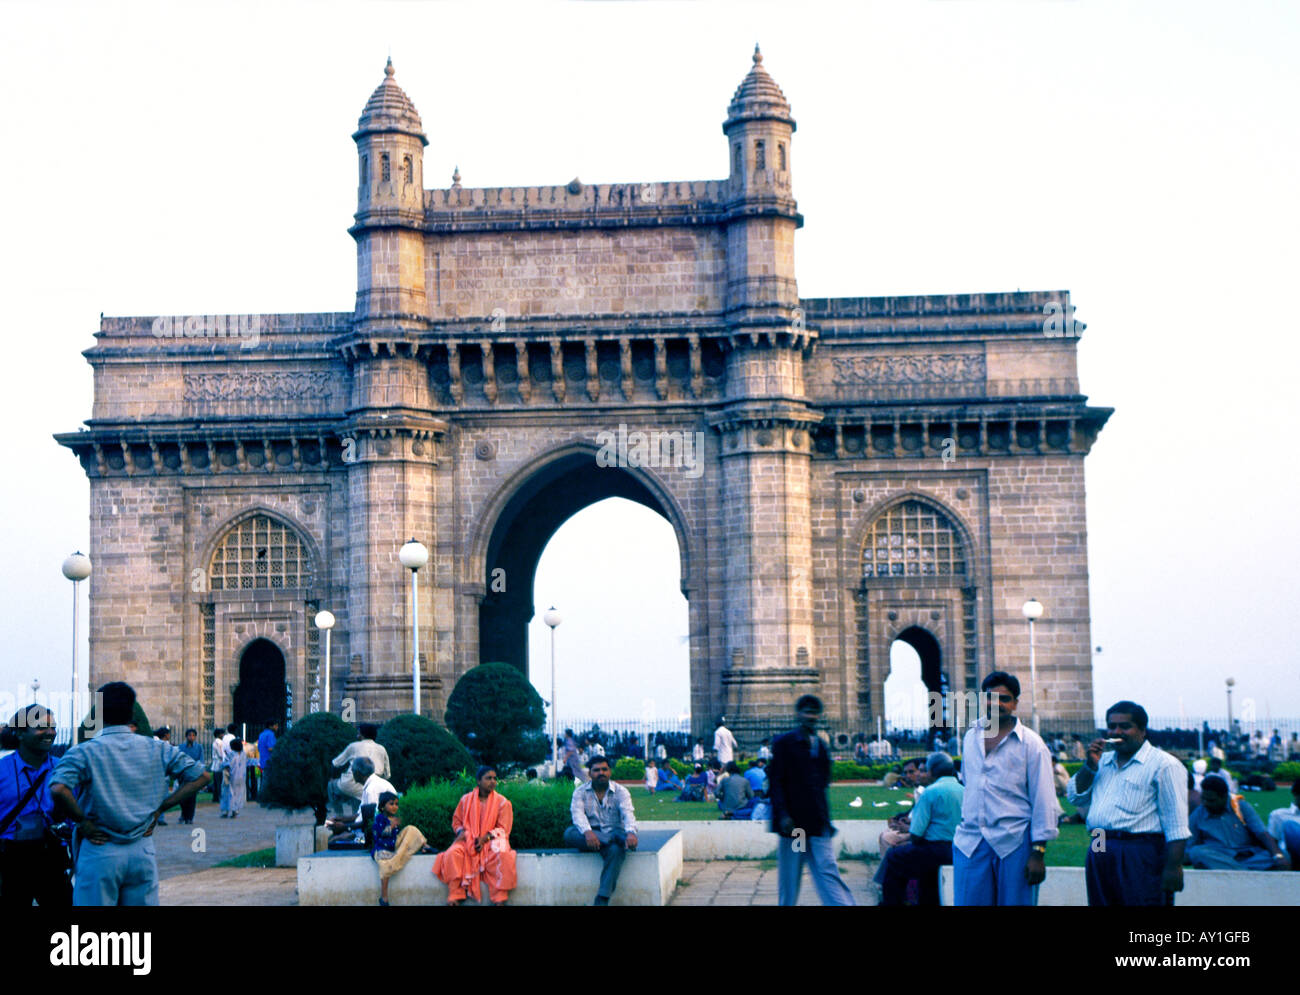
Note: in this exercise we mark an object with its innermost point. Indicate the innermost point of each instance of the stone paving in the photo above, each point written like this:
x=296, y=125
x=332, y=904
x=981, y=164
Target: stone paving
x=182, y=851
x=192, y=878
x=753, y=882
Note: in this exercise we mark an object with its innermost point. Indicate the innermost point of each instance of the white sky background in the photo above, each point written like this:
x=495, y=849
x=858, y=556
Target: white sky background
x=187, y=158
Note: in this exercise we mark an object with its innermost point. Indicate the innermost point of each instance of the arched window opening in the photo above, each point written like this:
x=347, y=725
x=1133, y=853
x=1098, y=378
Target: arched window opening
x=760, y=155
x=385, y=173
x=260, y=553
x=913, y=539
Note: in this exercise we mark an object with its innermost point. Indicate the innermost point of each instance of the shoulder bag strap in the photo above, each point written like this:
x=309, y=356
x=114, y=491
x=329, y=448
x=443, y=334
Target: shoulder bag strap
x=22, y=802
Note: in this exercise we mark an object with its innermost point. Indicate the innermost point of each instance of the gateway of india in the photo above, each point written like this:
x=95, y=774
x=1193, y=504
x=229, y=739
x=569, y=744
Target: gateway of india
x=868, y=469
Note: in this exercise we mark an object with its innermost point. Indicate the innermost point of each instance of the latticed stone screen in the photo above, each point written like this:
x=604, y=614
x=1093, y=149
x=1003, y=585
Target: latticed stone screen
x=912, y=539
x=260, y=552
x=208, y=675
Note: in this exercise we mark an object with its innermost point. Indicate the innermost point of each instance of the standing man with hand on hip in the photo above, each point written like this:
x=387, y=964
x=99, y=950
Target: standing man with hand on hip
x=1137, y=814
x=120, y=776
x=799, y=777
x=1009, y=810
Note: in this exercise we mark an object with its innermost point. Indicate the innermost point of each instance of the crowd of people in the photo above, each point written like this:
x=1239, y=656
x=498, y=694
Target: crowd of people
x=1147, y=814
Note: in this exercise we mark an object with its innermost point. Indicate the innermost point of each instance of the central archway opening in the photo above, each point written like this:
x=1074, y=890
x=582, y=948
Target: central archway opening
x=260, y=696
x=915, y=673
x=600, y=545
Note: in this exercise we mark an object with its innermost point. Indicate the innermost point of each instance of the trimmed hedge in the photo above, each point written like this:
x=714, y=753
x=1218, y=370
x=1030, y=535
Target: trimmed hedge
x=629, y=769
x=297, y=777
x=420, y=750
x=541, y=811
x=1289, y=771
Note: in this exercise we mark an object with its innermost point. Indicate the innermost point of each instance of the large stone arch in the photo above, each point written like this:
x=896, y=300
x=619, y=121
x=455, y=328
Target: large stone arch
x=520, y=519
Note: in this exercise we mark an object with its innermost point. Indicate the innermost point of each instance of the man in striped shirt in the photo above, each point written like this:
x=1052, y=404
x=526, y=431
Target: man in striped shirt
x=1137, y=814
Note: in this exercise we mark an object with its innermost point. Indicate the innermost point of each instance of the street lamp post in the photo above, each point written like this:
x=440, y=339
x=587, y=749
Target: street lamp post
x=1229, y=682
x=413, y=556
x=552, y=618
x=1032, y=610
x=325, y=620
x=76, y=568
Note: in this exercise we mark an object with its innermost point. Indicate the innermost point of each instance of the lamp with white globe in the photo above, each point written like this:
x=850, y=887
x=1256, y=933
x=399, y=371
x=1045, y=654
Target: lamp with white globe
x=76, y=568
x=325, y=622
x=413, y=556
x=552, y=618
x=1032, y=610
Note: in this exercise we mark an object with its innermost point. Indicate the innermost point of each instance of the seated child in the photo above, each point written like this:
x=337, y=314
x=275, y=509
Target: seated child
x=395, y=844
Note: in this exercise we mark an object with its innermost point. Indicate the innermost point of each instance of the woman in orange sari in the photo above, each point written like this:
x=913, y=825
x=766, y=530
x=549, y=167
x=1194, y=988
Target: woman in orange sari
x=481, y=850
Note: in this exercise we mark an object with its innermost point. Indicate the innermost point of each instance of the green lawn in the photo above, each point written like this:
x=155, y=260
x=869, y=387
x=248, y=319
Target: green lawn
x=1068, y=850
x=255, y=858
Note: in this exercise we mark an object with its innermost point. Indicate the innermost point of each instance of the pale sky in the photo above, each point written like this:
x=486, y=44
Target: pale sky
x=192, y=158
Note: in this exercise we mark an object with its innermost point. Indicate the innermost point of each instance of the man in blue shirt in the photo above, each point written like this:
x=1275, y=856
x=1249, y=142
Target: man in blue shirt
x=934, y=822
x=120, y=778
x=32, y=864
x=265, y=744
x=757, y=778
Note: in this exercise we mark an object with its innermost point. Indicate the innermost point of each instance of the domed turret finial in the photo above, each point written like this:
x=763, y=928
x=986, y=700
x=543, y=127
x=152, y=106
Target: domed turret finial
x=758, y=56
x=388, y=69
x=455, y=177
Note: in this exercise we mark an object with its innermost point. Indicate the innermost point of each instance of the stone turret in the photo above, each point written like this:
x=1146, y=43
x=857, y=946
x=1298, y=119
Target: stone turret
x=390, y=205
x=766, y=422
x=758, y=128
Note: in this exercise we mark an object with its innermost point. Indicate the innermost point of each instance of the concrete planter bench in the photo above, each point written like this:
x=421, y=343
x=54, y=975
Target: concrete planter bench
x=744, y=840
x=1065, y=886
x=546, y=877
x=295, y=835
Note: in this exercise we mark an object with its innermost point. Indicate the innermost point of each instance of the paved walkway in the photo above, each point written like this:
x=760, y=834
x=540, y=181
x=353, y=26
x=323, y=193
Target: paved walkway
x=189, y=876
x=212, y=839
x=753, y=882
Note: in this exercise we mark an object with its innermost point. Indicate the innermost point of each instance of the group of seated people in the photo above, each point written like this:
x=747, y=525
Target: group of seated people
x=1228, y=834
x=738, y=794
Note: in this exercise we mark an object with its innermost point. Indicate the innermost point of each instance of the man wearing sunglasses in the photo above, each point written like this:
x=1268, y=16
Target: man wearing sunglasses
x=1009, y=808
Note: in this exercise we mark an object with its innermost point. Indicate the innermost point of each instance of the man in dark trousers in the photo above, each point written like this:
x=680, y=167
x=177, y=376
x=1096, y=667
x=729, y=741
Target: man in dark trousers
x=194, y=751
x=799, y=777
x=1137, y=808
x=33, y=865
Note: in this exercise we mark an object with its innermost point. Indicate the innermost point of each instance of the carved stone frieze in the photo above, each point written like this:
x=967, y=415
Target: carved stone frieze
x=941, y=368
x=276, y=386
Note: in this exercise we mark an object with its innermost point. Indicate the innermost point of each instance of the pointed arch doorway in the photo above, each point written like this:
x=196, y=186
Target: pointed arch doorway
x=260, y=696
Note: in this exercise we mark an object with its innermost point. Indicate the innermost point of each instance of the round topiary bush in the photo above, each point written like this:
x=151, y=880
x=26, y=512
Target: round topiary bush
x=420, y=750
x=302, y=767
x=499, y=717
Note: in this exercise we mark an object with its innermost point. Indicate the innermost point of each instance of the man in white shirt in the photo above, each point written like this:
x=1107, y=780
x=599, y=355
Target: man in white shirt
x=372, y=786
x=1279, y=817
x=1137, y=809
x=346, y=789
x=1009, y=809
x=605, y=820
x=724, y=743
x=218, y=758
